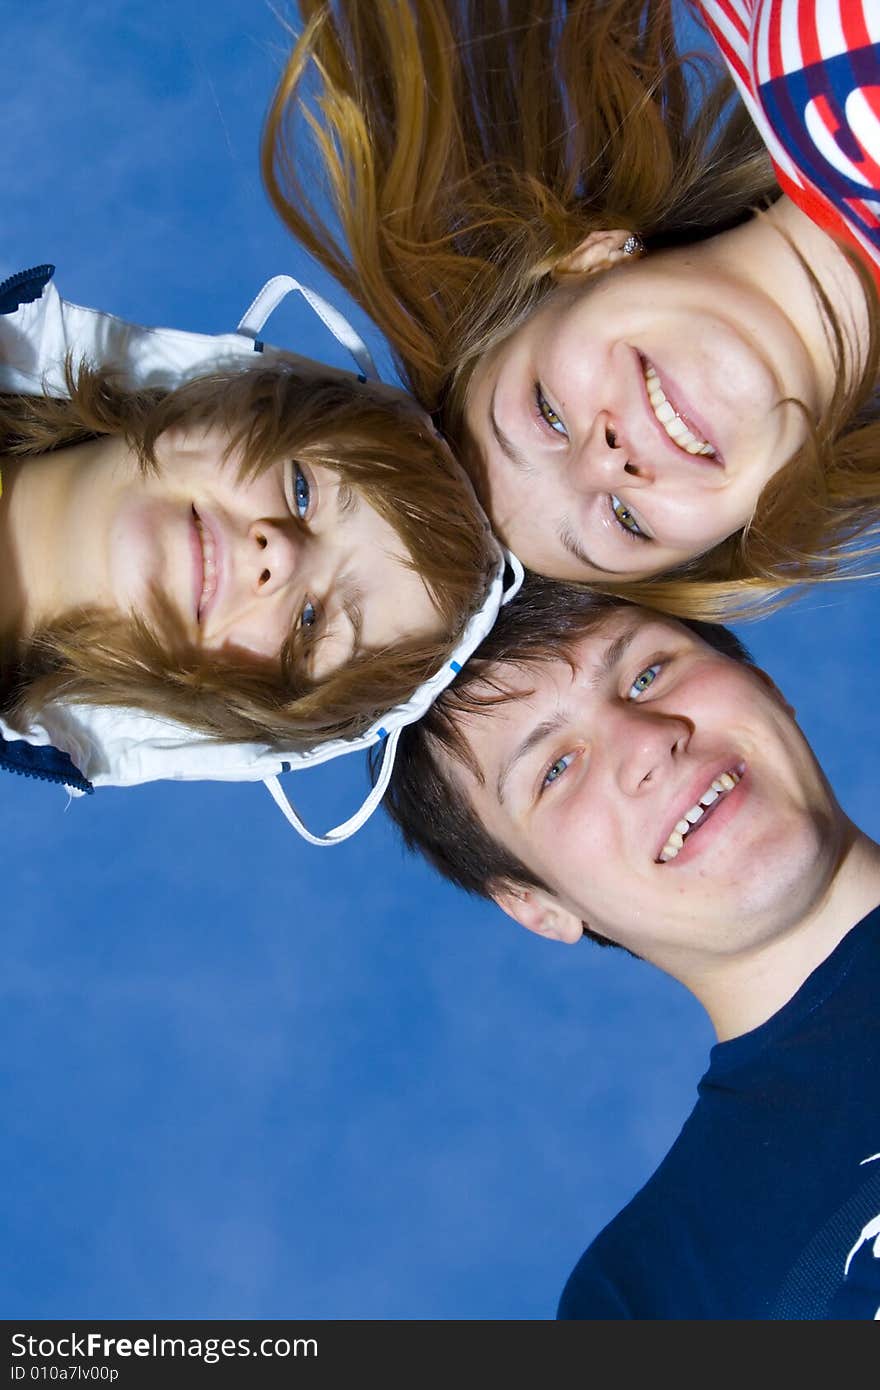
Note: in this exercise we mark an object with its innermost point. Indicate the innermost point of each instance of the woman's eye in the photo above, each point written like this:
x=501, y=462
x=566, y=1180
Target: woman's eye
x=643, y=680
x=548, y=414
x=624, y=517
x=557, y=770
x=308, y=618
x=302, y=492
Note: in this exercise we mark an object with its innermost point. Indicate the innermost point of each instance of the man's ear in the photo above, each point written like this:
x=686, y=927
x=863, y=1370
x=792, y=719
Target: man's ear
x=773, y=688
x=539, y=912
x=598, y=251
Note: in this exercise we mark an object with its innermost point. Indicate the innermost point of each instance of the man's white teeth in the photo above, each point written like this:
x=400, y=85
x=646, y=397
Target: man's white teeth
x=671, y=421
x=725, y=783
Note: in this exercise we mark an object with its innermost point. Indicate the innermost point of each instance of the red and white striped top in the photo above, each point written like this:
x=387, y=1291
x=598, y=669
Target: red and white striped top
x=809, y=74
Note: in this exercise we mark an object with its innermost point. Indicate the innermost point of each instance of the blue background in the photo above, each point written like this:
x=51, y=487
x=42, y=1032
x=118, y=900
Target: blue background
x=241, y=1077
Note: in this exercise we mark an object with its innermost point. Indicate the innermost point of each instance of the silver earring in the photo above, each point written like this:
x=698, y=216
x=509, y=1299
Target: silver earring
x=633, y=246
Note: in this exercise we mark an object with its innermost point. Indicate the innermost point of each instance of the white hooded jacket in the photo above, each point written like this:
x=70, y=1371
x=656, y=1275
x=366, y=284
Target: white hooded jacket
x=86, y=746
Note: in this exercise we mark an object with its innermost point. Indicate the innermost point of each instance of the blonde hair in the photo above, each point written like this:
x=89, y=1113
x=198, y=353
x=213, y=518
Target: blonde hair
x=467, y=150
x=376, y=440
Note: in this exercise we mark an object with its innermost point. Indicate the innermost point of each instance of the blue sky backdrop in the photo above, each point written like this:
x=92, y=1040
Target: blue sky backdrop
x=242, y=1077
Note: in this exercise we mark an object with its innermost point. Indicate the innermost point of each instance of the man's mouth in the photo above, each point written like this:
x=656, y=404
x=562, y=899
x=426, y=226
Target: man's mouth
x=679, y=430
x=209, y=566
x=695, y=816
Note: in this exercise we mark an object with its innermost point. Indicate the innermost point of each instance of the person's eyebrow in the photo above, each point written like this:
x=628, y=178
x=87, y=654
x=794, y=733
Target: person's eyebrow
x=612, y=655
x=537, y=735
x=347, y=499
x=507, y=446
x=352, y=597
x=603, y=668
x=569, y=541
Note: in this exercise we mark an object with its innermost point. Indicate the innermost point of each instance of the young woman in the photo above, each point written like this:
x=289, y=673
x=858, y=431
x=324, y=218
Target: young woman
x=658, y=370
x=270, y=554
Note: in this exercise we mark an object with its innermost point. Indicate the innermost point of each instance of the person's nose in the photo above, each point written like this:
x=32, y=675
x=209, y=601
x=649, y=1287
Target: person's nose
x=273, y=553
x=604, y=461
x=649, y=746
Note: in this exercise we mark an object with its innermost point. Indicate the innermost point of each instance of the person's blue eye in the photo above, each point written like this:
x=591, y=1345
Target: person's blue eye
x=308, y=618
x=302, y=492
x=548, y=414
x=625, y=519
x=557, y=770
x=644, y=680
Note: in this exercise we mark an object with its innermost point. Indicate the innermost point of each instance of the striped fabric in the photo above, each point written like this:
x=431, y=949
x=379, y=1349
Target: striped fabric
x=809, y=73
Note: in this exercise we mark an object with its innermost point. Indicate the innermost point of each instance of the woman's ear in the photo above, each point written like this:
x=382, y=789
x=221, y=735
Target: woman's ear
x=538, y=912
x=599, y=251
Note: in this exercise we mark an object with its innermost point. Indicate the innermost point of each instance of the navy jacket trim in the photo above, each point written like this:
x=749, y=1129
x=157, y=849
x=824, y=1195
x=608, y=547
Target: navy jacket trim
x=24, y=287
x=44, y=762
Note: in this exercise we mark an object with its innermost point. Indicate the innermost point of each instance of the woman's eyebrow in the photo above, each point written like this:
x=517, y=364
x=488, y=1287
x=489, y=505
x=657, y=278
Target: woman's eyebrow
x=569, y=541
x=351, y=601
x=506, y=445
x=347, y=499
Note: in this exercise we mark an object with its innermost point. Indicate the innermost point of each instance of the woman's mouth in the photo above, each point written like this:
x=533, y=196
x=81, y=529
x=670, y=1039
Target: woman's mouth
x=671, y=420
x=208, y=556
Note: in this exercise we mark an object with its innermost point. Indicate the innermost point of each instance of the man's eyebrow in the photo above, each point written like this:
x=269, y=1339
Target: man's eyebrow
x=537, y=735
x=613, y=653
x=507, y=446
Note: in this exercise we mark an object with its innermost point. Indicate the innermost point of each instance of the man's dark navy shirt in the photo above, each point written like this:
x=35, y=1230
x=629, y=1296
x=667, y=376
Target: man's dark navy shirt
x=768, y=1203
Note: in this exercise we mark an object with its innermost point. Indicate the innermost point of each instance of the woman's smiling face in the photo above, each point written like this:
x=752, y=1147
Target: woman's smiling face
x=246, y=564
x=631, y=422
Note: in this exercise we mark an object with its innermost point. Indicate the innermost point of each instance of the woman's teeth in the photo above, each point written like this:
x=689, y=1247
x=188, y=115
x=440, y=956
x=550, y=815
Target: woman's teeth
x=209, y=564
x=720, y=786
x=671, y=421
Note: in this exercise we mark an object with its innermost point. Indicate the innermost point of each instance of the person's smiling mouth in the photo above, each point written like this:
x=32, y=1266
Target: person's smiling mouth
x=207, y=568
x=677, y=426
x=695, y=816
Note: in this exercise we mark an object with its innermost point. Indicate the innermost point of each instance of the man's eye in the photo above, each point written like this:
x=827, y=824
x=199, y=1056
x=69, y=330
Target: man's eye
x=548, y=414
x=644, y=680
x=557, y=770
x=625, y=519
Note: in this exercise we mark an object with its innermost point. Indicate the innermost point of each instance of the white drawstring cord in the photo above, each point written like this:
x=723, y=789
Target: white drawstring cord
x=360, y=817
x=276, y=289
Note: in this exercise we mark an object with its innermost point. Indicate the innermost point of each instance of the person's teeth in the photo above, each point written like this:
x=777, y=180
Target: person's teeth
x=721, y=784
x=669, y=418
x=209, y=564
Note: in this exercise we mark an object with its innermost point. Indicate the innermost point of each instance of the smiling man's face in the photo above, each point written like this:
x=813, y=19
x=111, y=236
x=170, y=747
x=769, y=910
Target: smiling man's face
x=662, y=791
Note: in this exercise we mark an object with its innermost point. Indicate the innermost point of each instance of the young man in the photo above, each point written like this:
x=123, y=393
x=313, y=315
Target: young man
x=637, y=780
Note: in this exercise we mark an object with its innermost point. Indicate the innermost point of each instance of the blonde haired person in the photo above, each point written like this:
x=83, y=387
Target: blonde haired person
x=214, y=569
x=659, y=370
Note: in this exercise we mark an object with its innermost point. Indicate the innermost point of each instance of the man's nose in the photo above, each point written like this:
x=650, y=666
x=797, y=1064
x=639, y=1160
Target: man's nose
x=648, y=745
x=273, y=553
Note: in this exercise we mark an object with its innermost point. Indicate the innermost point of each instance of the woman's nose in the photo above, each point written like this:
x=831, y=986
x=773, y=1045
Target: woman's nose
x=273, y=555
x=604, y=460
